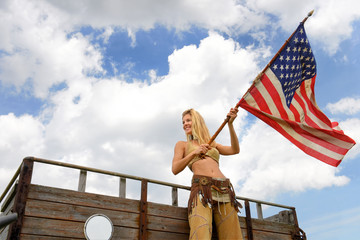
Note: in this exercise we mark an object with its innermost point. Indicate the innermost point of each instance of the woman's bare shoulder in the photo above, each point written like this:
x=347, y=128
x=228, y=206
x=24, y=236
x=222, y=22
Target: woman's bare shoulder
x=180, y=144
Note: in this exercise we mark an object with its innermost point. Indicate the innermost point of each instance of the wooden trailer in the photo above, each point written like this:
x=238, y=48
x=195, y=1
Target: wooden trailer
x=45, y=212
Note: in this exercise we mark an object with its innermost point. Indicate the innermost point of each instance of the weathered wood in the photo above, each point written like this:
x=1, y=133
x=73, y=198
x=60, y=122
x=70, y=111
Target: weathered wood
x=21, y=197
x=285, y=216
x=174, y=196
x=155, y=235
x=122, y=190
x=143, y=211
x=73, y=212
x=169, y=225
x=68, y=229
x=83, y=199
x=259, y=211
x=157, y=209
x=53, y=213
x=266, y=226
x=82, y=181
x=270, y=236
x=248, y=221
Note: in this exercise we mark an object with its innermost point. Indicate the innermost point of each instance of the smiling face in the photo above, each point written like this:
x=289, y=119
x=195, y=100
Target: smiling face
x=187, y=123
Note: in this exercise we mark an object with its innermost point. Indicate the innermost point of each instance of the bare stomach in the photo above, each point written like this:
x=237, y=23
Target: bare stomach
x=207, y=167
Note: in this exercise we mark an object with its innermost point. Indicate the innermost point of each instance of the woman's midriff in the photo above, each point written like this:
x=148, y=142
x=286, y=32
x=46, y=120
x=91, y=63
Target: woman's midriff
x=207, y=167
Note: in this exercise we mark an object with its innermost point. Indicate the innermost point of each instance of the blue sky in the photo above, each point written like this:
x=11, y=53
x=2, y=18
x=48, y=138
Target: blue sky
x=103, y=84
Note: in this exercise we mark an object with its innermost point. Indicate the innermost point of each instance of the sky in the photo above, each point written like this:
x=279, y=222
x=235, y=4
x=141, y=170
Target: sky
x=103, y=84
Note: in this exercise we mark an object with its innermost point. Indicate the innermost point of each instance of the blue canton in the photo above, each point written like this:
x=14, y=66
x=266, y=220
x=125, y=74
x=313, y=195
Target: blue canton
x=294, y=64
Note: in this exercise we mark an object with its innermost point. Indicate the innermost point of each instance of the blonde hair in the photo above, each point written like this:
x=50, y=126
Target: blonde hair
x=199, y=129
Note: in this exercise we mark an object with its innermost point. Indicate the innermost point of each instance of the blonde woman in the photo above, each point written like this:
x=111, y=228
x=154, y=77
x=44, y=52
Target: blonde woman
x=212, y=195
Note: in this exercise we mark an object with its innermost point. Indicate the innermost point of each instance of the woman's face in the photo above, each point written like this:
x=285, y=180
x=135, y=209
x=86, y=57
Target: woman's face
x=187, y=124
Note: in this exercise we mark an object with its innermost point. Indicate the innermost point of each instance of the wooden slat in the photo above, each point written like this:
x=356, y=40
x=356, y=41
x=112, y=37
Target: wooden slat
x=44, y=228
x=168, y=225
x=157, y=209
x=267, y=226
x=270, y=236
x=83, y=199
x=37, y=237
x=155, y=235
x=51, y=227
x=72, y=212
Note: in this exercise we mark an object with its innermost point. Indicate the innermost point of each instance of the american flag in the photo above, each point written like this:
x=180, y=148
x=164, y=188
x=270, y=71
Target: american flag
x=283, y=97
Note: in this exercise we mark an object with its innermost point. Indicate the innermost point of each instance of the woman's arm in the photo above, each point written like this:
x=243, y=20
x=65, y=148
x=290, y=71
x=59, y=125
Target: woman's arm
x=235, y=147
x=180, y=161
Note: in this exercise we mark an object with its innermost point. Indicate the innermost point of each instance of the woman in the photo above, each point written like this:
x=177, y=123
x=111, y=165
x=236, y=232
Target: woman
x=212, y=195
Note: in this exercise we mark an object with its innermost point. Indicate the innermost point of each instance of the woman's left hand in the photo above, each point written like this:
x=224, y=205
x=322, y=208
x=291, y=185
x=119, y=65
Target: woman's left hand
x=232, y=114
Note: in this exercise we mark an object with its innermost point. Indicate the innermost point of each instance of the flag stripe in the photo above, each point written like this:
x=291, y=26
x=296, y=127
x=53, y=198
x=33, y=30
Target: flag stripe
x=332, y=159
x=279, y=102
x=318, y=137
x=269, y=106
x=310, y=118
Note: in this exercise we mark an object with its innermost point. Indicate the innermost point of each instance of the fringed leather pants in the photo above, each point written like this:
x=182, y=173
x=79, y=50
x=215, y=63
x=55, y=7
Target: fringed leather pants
x=213, y=200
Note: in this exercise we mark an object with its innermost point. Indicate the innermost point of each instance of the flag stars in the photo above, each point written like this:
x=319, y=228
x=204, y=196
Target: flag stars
x=288, y=49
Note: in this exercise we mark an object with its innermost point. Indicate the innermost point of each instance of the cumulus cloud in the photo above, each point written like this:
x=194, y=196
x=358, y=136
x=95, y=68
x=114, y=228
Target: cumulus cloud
x=348, y=106
x=182, y=15
x=19, y=136
x=39, y=50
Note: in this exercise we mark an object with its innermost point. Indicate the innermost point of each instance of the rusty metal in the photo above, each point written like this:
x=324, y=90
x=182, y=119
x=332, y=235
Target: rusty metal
x=248, y=221
x=20, y=198
x=143, y=211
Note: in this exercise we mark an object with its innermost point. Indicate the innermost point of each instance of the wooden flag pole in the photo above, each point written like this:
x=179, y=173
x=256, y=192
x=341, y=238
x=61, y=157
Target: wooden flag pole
x=258, y=77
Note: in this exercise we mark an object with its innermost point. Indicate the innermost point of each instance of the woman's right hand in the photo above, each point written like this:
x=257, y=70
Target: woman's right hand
x=202, y=149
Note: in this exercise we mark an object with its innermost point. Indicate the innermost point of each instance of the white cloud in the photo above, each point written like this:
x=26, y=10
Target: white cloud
x=331, y=23
x=38, y=51
x=142, y=14
x=20, y=137
x=351, y=127
x=348, y=106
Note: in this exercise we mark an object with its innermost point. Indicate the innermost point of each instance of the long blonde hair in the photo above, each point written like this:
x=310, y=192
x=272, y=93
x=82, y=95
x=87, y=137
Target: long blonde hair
x=199, y=129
